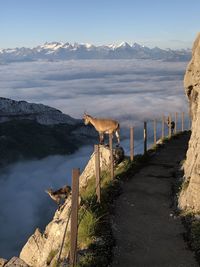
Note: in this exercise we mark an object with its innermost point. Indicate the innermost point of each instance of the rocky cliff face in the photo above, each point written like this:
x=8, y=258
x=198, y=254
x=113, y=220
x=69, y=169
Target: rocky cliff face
x=190, y=195
x=42, y=249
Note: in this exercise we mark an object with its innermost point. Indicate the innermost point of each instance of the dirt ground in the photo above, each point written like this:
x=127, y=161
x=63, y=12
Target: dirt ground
x=147, y=231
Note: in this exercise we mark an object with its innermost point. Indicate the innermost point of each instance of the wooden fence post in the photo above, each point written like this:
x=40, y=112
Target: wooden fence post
x=176, y=121
x=97, y=173
x=154, y=131
x=74, y=217
x=163, y=127
x=131, y=143
x=111, y=156
x=183, y=115
x=145, y=137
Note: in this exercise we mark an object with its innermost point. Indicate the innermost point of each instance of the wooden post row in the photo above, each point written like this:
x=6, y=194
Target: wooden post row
x=111, y=156
x=145, y=137
x=131, y=143
x=97, y=173
x=74, y=217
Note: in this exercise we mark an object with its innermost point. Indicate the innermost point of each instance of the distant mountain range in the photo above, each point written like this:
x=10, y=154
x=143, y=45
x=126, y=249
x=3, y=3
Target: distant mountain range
x=66, y=51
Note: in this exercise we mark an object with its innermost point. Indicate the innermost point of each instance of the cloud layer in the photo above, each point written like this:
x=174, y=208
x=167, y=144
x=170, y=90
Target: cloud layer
x=134, y=89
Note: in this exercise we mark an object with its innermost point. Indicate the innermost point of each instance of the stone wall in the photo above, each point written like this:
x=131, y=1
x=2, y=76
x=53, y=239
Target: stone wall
x=190, y=195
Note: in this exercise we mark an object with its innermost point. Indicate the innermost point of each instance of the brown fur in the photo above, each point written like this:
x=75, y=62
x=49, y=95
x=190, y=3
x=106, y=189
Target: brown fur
x=60, y=194
x=103, y=126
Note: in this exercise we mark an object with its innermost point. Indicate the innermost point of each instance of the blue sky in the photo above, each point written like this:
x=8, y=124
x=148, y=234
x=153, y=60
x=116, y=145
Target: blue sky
x=163, y=23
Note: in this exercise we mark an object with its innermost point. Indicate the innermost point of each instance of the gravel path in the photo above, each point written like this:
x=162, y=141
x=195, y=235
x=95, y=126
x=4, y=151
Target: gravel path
x=146, y=231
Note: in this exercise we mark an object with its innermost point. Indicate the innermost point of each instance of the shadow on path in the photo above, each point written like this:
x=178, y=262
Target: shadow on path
x=146, y=231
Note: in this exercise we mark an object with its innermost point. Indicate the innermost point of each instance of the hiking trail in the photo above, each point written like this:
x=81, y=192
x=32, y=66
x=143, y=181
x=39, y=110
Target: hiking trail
x=147, y=231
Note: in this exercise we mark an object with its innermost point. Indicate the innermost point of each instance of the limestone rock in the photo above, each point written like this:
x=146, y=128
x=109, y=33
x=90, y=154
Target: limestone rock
x=2, y=262
x=15, y=262
x=190, y=196
x=43, y=248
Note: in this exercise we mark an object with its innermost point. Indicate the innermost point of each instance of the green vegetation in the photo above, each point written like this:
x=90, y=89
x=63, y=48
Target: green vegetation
x=51, y=255
x=87, y=228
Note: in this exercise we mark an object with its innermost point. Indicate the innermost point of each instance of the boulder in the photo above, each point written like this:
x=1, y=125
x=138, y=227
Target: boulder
x=16, y=262
x=190, y=195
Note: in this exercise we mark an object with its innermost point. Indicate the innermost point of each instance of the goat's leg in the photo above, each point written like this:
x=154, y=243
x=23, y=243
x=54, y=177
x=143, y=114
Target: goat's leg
x=118, y=137
x=101, y=137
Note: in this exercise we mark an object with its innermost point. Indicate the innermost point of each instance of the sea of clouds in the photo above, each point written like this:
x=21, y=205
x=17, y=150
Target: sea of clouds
x=129, y=90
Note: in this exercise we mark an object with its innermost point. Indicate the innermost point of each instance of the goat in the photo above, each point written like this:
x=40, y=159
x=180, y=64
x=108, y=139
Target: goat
x=103, y=126
x=60, y=194
x=172, y=124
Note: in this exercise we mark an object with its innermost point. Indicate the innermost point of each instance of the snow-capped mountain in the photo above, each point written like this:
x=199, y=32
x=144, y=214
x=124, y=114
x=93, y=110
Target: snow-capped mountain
x=20, y=110
x=66, y=51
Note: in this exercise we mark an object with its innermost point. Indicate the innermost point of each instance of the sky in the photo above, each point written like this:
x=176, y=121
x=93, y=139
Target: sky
x=167, y=24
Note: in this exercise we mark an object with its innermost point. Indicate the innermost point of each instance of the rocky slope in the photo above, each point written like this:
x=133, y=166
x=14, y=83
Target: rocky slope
x=14, y=262
x=42, y=249
x=190, y=194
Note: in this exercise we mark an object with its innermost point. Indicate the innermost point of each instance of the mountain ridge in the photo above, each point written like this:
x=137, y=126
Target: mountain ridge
x=68, y=51
x=34, y=131
x=12, y=109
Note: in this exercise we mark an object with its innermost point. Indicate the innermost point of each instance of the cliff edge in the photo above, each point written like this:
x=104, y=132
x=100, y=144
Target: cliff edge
x=190, y=195
x=42, y=249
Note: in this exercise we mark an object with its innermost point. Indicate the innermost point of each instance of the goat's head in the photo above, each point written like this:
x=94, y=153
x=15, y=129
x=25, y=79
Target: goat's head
x=86, y=118
x=49, y=191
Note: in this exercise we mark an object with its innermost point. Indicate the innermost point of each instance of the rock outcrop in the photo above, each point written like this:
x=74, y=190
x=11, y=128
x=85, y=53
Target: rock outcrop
x=14, y=262
x=190, y=195
x=43, y=248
